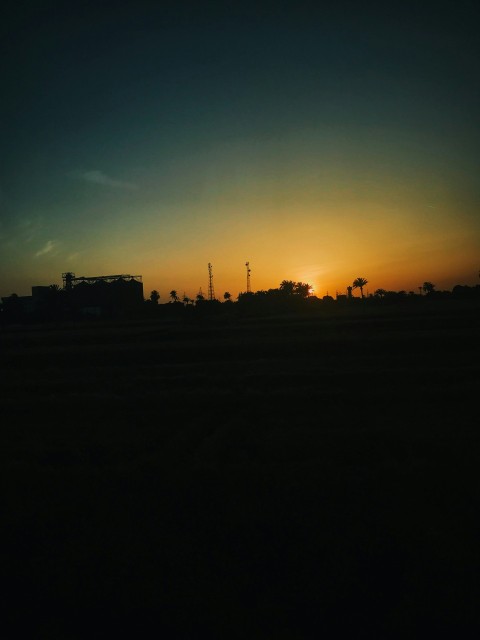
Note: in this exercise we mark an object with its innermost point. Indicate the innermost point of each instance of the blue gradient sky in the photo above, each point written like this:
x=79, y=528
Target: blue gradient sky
x=320, y=144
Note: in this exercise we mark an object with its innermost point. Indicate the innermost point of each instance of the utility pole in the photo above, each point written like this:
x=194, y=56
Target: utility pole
x=247, y=264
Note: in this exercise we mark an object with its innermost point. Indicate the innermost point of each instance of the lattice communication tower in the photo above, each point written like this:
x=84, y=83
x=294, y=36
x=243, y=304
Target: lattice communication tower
x=211, y=291
x=247, y=264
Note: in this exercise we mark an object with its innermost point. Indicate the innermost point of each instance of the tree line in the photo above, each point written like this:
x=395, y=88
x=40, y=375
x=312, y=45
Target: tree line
x=289, y=296
x=302, y=290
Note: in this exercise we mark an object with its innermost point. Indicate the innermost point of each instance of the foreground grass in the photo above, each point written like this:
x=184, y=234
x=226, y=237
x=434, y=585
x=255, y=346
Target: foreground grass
x=250, y=478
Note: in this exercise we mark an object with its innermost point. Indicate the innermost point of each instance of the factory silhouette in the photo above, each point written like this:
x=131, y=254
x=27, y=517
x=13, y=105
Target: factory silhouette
x=122, y=296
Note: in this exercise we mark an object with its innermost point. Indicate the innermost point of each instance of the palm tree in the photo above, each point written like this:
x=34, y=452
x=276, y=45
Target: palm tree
x=54, y=299
x=154, y=297
x=380, y=293
x=302, y=289
x=227, y=296
x=428, y=287
x=173, y=295
x=287, y=287
x=359, y=283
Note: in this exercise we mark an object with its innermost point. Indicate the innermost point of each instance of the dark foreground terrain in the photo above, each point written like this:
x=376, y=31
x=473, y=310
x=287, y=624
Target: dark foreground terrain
x=249, y=478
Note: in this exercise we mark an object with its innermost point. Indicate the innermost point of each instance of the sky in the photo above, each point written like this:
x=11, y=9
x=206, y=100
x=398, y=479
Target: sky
x=320, y=142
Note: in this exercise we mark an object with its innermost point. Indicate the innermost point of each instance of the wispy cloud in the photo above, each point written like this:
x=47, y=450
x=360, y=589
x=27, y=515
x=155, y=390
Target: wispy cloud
x=48, y=247
x=73, y=256
x=30, y=228
x=98, y=177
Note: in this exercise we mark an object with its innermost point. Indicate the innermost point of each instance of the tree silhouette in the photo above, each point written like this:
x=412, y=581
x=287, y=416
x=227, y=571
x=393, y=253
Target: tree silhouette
x=428, y=287
x=302, y=289
x=53, y=302
x=154, y=297
x=174, y=295
x=200, y=297
x=287, y=287
x=380, y=293
x=359, y=283
x=227, y=296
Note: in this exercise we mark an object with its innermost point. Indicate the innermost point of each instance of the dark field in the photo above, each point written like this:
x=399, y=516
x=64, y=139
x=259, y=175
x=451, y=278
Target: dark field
x=249, y=478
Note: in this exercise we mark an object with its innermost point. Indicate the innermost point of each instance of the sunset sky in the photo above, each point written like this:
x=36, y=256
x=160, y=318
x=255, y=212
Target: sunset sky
x=319, y=144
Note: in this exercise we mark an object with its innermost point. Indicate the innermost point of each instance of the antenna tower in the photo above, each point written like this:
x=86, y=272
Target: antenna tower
x=247, y=264
x=211, y=292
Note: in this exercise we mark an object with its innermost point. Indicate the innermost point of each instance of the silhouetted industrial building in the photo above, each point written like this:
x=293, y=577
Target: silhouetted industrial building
x=104, y=295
